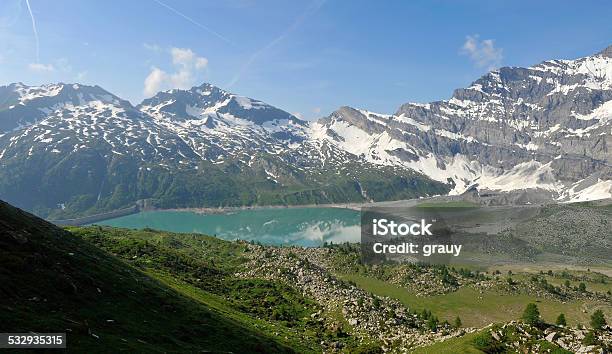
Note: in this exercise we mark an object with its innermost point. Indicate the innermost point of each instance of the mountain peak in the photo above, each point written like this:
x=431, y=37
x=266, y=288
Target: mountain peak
x=22, y=105
x=65, y=92
x=203, y=89
x=607, y=52
x=206, y=86
x=207, y=100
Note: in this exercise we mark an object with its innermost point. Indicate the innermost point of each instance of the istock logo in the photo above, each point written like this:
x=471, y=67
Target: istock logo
x=384, y=227
x=409, y=235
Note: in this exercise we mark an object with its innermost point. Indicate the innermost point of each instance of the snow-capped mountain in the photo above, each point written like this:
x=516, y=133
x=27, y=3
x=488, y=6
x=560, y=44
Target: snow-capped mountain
x=545, y=128
x=22, y=105
x=217, y=124
x=70, y=149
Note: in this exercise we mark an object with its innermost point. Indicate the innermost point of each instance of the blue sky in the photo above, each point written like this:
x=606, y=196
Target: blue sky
x=307, y=57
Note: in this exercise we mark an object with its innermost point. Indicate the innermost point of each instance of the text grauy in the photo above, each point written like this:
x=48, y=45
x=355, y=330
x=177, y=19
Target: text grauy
x=385, y=227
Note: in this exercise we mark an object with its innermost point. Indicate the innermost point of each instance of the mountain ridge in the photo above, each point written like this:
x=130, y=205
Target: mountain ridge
x=545, y=128
x=104, y=154
x=504, y=120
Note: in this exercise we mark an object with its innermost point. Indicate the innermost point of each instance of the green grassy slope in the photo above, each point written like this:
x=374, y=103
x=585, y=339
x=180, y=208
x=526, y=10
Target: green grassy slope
x=54, y=281
x=462, y=344
x=480, y=308
x=203, y=268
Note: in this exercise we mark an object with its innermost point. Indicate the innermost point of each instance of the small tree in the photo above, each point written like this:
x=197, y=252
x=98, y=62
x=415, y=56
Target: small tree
x=567, y=284
x=598, y=320
x=589, y=339
x=531, y=315
x=432, y=323
x=458, y=322
x=582, y=287
x=561, y=320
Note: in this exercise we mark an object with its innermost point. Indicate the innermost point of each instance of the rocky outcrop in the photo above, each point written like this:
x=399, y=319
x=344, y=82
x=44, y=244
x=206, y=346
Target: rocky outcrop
x=544, y=127
x=368, y=316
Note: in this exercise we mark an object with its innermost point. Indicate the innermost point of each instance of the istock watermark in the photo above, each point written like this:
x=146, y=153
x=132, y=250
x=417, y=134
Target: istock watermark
x=408, y=235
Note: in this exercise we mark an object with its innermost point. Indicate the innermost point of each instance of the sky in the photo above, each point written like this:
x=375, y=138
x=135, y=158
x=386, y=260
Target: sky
x=307, y=57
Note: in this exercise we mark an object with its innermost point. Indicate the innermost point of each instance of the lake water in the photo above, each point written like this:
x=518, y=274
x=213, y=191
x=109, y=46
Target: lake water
x=308, y=227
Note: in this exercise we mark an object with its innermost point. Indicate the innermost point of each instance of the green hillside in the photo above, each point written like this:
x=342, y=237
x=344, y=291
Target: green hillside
x=93, y=185
x=54, y=281
x=120, y=290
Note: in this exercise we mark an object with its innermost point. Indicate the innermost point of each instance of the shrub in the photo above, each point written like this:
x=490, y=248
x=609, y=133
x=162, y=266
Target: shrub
x=458, y=322
x=432, y=323
x=589, y=339
x=485, y=342
x=598, y=320
x=561, y=320
x=531, y=315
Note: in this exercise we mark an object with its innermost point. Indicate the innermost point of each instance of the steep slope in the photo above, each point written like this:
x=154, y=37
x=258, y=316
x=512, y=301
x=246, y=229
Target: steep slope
x=547, y=128
x=85, y=151
x=53, y=281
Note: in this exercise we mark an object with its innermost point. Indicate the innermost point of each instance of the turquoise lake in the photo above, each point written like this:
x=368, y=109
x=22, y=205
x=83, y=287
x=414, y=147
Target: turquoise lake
x=308, y=227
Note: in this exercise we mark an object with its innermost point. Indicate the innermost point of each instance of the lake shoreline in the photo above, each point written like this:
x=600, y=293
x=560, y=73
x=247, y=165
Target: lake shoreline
x=92, y=219
x=357, y=206
x=225, y=210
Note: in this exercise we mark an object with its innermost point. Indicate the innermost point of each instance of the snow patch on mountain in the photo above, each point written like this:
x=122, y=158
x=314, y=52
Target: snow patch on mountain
x=29, y=93
x=602, y=114
x=402, y=118
x=600, y=190
x=526, y=175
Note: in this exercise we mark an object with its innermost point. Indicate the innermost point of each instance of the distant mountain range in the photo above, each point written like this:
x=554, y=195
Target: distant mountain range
x=542, y=132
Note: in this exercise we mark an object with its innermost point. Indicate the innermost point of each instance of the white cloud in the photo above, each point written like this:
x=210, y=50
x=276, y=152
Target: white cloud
x=41, y=68
x=154, y=81
x=201, y=63
x=316, y=110
x=182, y=56
x=482, y=52
x=187, y=65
